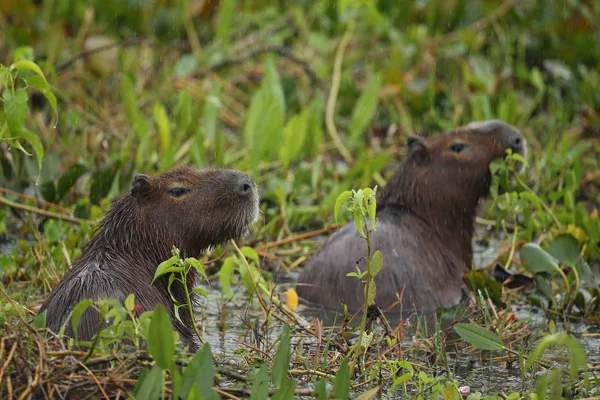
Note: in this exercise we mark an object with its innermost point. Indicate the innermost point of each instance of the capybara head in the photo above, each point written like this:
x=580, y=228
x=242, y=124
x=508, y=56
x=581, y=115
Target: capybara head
x=448, y=174
x=190, y=208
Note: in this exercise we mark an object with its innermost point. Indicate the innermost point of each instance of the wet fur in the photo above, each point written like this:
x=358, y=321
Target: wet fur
x=424, y=230
x=138, y=233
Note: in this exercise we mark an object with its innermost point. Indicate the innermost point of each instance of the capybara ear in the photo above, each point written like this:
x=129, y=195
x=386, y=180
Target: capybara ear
x=140, y=188
x=417, y=148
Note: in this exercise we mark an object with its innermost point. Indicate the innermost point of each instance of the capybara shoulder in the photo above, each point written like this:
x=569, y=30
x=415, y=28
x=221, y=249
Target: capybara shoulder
x=189, y=208
x=425, y=223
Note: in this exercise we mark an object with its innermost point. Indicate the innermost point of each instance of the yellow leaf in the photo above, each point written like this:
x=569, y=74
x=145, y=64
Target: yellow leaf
x=292, y=299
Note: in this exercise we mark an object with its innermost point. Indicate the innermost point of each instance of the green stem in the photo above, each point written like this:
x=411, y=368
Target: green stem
x=358, y=346
x=188, y=305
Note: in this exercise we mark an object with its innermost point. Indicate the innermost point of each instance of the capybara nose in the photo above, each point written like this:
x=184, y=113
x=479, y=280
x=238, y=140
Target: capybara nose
x=245, y=187
x=517, y=144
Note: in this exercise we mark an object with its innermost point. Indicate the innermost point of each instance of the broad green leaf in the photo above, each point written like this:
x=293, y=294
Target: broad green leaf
x=200, y=291
x=451, y=393
x=41, y=83
x=565, y=248
x=339, y=202
x=294, y=137
x=577, y=355
x=536, y=259
x=285, y=391
x=225, y=277
x=15, y=107
x=77, y=313
x=320, y=391
x=39, y=322
x=224, y=20
x=200, y=370
x=372, y=208
x=68, y=179
x=405, y=377
x=365, y=107
x=168, y=266
x=130, y=302
x=161, y=344
x=341, y=382
x=251, y=254
x=281, y=362
x=36, y=143
x=479, y=337
x=479, y=282
x=358, y=221
x=376, y=262
x=263, y=130
x=371, y=293
x=585, y=272
x=198, y=266
x=152, y=385
x=260, y=387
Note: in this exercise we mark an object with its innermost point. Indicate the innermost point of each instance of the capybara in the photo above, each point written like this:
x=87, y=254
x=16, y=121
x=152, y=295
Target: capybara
x=425, y=218
x=189, y=208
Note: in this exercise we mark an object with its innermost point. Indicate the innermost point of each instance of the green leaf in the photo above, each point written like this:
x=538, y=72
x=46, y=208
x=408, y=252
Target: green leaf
x=78, y=311
x=200, y=371
x=130, y=302
x=224, y=20
x=226, y=276
x=371, y=293
x=164, y=134
x=406, y=376
x=358, y=221
x=36, y=143
x=479, y=337
x=577, y=355
x=365, y=107
x=42, y=85
x=161, y=344
x=320, y=391
x=152, y=385
x=281, y=362
x=285, y=391
x=15, y=107
x=168, y=266
x=260, y=387
x=198, y=266
x=372, y=208
x=479, y=282
x=251, y=254
x=263, y=130
x=341, y=382
x=536, y=259
x=369, y=394
x=68, y=179
x=39, y=322
x=339, y=202
x=30, y=65
x=294, y=137
x=376, y=263
x=565, y=248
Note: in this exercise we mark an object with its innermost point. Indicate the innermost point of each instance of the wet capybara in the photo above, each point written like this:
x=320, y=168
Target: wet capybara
x=425, y=224
x=189, y=208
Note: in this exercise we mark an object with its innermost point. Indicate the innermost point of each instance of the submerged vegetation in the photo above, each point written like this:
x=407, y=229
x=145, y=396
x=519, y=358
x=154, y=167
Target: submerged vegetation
x=314, y=99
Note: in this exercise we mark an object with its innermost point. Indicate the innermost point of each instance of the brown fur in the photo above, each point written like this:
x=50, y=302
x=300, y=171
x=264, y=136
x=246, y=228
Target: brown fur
x=138, y=233
x=425, y=225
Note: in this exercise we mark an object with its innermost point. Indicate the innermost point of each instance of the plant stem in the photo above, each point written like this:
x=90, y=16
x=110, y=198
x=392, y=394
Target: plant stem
x=188, y=301
x=358, y=346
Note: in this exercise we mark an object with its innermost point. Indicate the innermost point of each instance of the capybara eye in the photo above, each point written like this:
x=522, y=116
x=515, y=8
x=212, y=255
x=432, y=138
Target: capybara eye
x=178, y=191
x=457, y=147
